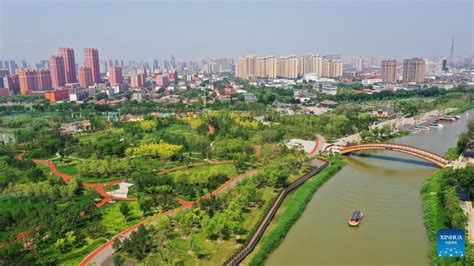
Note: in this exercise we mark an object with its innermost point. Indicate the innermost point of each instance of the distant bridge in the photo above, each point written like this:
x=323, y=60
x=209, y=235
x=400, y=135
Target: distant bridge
x=411, y=150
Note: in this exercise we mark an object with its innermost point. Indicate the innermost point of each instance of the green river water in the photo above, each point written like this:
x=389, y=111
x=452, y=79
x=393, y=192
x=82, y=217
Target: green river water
x=385, y=185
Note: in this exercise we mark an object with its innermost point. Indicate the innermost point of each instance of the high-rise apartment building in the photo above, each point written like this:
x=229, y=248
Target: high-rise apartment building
x=161, y=81
x=250, y=67
x=115, y=75
x=335, y=68
x=85, y=77
x=27, y=79
x=414, y=70
x=69, y=64
x=91, y=60
x=325, y=68
x=137, y=81
x=43, y=80
x=312, y=64
x=389, y=71
x=56, y=65
x=331, y=68
x=246, y=67
x=12, y=83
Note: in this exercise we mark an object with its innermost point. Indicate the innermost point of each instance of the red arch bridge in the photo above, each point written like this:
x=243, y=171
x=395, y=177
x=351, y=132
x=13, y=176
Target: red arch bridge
x=407, y=149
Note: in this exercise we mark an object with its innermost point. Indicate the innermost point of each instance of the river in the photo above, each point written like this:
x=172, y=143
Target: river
x=386, y=186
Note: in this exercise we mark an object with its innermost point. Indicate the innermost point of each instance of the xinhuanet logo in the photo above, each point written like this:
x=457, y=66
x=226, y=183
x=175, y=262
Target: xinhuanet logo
x=450, y=243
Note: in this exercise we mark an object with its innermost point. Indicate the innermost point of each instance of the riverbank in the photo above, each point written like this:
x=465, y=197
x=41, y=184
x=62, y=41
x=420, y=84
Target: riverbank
x=293, y=208
x=462, y=109
x=436, y=217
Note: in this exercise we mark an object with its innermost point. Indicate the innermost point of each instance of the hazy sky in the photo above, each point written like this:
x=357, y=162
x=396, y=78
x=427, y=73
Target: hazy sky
x=145, y=30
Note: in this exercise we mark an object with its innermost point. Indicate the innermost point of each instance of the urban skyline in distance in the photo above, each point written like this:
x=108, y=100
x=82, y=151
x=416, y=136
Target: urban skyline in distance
x=192, y=30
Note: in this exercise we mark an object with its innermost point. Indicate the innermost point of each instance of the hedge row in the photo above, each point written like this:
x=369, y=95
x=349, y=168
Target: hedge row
x=296, y=206
x=435, y=215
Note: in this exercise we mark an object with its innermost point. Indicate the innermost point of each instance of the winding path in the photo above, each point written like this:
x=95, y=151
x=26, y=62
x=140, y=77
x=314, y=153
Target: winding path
x=100, y=188
x=98, y=256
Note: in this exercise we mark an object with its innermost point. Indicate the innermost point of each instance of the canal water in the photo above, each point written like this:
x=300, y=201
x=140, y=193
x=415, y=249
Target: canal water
x=386, y=186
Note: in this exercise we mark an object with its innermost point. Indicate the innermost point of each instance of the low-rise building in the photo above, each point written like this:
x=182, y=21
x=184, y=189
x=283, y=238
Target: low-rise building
x=328, y=104
x=327, y=89
x=57, y=95
x=77, y=95
x=384, y=112
x=303, y=96
x=249, y=97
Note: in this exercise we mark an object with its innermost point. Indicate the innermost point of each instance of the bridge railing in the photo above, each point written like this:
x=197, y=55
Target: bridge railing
x=402, y=147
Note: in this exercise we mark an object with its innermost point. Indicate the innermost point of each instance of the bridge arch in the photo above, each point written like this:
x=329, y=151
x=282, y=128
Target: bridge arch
x=407, y=149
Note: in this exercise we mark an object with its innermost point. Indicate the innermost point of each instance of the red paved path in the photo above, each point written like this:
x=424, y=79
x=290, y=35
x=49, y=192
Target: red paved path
x=316, y=146
x=184, y=205
x=258, y=149
x=100, y=187
x=106, y=197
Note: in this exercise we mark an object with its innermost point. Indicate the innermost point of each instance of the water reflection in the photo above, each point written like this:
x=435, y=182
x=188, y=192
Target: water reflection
x=352, y=159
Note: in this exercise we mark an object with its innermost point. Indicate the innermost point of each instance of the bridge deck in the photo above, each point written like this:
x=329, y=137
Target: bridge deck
x=412, y=150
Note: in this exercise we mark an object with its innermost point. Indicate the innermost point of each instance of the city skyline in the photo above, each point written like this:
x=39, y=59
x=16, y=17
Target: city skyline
x=192, y=30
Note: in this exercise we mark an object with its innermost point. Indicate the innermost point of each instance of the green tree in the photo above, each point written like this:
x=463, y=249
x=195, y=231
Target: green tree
x=145, y=205
x=125, y=210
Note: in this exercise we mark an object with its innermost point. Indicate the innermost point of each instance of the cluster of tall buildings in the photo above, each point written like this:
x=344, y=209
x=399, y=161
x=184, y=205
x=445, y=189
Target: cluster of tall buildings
x=251, y=67
x=62, y=71
x=139, y=79
x=219, y=65
x=413, y=70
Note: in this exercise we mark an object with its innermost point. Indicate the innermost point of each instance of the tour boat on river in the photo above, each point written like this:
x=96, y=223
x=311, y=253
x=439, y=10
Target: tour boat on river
x=356, y=218
x=422, y=128
x=449, y=118
x=437, y=125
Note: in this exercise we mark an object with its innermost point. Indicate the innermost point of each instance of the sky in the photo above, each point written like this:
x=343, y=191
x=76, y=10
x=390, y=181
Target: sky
x=191, y=30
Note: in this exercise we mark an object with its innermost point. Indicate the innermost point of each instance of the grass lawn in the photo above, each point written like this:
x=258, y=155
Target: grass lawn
x=202, y=173
x=111, y=187
x=113, y=220
x=98, y=180
x=78, y=254
x=178, y=128
x=94, y=135
x=70, y=169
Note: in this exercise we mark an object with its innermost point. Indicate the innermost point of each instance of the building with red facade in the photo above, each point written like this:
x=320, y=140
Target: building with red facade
x=69, y=64
x=161, y=81
x=43, y=79
x=91, y=60
x=137, y=81
x=85, y=77
x=115, y=75
x=27, y=80
x=56, y=65
x=142, y=71
x=12, y=83
x=57, y=95
x=172, y=75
